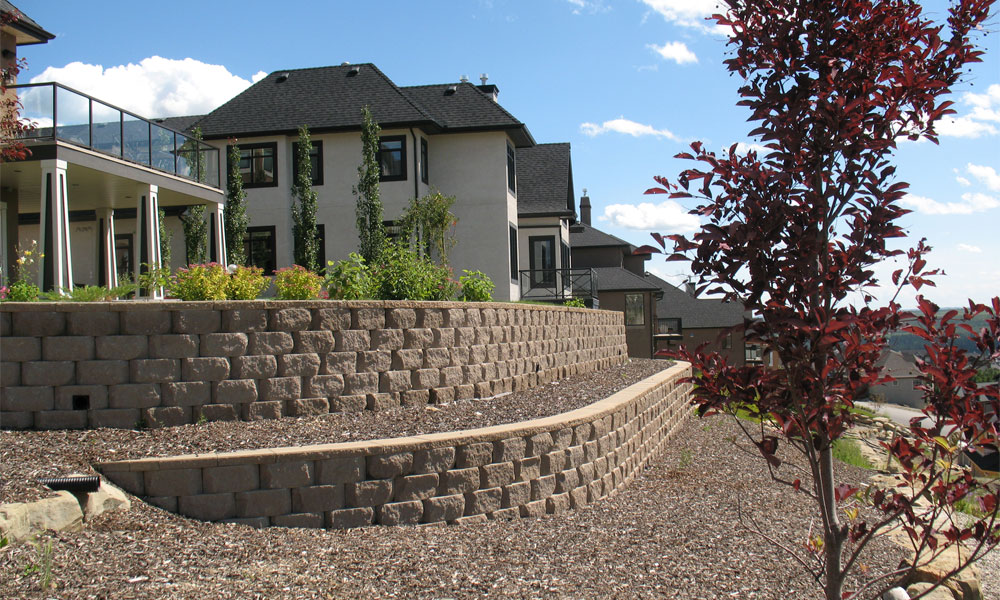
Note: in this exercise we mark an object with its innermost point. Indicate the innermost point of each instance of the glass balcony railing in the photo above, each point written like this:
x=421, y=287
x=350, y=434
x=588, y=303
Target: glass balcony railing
x=61, y=113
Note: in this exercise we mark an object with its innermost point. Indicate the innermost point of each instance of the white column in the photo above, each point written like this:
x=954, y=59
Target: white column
x=147, y=228
x=107, y=261
x=56, y=272
x=217, y=236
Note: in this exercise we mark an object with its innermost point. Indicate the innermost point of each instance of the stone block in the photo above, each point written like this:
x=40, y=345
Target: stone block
x=5, y=325
x=425, y=379
x=340, y=470
x=415, y=398
x=454, y=317
x=557, y=503
x=287, y=474
x=299, y=520
x=259, y=411
x=516, y=494
x=382, y=401
x=68, y=347
x=388, y=466
x=595, y=490
x=401, y=318
x=187, y=393
x=528, y=468
x=459, y=481
x=442, y=395
x=154, y=370
x=400, y=513
x=332, y=319
x=553, y=462
x=323, y=386
x=269, y=342
x=444, y=338
x=465, y=336
x=318, y=498
x=290, y=319
x=260, y=366
x=304, y=407
x=394, y=381
x=496, y=474
x=437, y=358
x=465, y=392
x=533, y=509
x=586, y=472
x=567, y=480
x=168, y=416
x=92, y=323
x=415, y=487
x=230, y=478
x=352, y=340
x=443, y=508
x=543, y=487
x=197, y=321
x=213, y=368
x=574, y=456
x=234, y=391
x=61, y=419
x=578, y=497
x=255, y=522
x=434, y=460
x=173, y=346
x=508, y=450
x=172, y=482
x=207, y=507
x=367, y=318
x=360, y=383
x=374, y=361
x=263, y=503
x=216, y=412
x=474, y=455
x=298, y=365
x=167, y=503
x=114, y=418
x=470, y=520
x=134, y=395
x=279, y=389
x=562, y=438
x=224, y=344
x=582, y=434
x=48, y=372
x=340, y=363
x=81, y=397
x=312, y=342
x=505, y=514
x=17, y=420
x=145, y=322
x=407, y=359
x=418, y=338
x=10, y=373
x=102, y=372
x=430, y=317
x=452, y=376
x=349, y=518
x=484, y=389
x=483, y=501
x=459, y=356
x=244, y=320
x=38, y=324
x=387, y=339
x=355, y=403
x=368, y=493
x=121, y=347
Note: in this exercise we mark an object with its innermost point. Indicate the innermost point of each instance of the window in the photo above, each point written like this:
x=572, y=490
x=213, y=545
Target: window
x=670, y=326
x=260, y=248
x=511, y=170
x=542, y=260
x=393, y=231
x=315, y=157
x=916, y=383
x=392, y=157
x=513, y=253
x=727, y=343
x=258, y=165
x=635, y=309
x=423, y=160
x=123, y=256
x=564, y=251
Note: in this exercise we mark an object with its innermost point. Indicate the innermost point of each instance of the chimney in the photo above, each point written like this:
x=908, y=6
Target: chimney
x=585, y=208
x=689, y=287
x=488, y=88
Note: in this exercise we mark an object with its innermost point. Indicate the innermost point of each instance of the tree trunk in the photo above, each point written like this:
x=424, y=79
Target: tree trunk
x=833, y=537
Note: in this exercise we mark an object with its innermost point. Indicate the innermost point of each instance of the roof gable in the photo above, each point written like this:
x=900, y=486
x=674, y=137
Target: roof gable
x=545, y=181
x=695, y=312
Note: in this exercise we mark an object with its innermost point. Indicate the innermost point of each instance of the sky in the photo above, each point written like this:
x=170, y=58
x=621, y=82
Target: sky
x=628, y=84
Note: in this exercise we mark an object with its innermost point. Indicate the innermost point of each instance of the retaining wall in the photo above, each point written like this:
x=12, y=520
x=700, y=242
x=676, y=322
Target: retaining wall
x=124, y=364
x=524, y=469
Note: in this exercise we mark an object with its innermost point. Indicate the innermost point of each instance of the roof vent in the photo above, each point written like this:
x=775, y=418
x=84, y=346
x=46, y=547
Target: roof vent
x=345, y=63
x=464, y=79
x=353, y=71
x=484, y=77
x=282, y=78
x=451, y=89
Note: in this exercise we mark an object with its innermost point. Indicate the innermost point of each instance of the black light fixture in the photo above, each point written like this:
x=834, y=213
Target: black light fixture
x=8, y=53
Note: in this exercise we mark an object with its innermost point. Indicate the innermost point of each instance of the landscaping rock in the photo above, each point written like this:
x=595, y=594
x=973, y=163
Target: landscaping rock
x=20, y=521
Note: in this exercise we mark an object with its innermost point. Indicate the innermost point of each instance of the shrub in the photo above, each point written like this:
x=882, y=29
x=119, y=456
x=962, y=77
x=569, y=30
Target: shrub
x=575, y=303
x=247, y=283
x=23, y=291
x=297, y=283
x=476, y=286
x=349, y=279
x=88, y=293
x=200, y=282
x=402, y=275
x=152, y=278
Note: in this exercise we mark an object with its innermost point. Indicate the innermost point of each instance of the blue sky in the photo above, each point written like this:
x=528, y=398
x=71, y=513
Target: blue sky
x=628, y=84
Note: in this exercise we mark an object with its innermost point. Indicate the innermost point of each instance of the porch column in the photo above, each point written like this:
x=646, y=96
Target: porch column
x=217, y=234
x=147, y=231
x=107, y=262
x=56, y=272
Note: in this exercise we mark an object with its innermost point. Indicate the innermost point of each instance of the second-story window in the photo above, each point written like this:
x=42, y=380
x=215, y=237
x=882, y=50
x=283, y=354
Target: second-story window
x=392, y=157
x=315, y=157
x=259, y=165
x=423, y=160
x=511, y=170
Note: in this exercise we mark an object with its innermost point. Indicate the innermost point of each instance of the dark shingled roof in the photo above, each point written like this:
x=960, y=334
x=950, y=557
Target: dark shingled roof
x=182, y=124
x=694, y=312
x=25, y=25
x=331, y=99
x=545, y=181
x=897, y=365
x=587, y=236
x=614, y=279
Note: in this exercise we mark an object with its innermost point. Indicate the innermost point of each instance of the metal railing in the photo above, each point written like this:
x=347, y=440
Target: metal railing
x=61, y=113
x=558, y=284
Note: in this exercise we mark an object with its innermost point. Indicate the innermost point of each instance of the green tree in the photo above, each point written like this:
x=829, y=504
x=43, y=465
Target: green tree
x=236, y=219
x=166, y=236
x=304, y=206
x=193, y=219
x=429, y=222
x=371, y=232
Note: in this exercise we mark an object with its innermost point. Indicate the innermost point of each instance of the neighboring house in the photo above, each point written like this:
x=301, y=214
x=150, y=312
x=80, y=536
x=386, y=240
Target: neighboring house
x=684, y=319
x=91, y=189
x=903, y=390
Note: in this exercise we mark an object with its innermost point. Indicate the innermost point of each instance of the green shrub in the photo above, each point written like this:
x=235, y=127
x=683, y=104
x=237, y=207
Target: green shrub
x=23, y=291
x=402, y=275
x=575, y=303
x=848, y=451
x=349, y=279
x=200, y=282
x=476, y=286
x=297, y=283
x=88, y=293
x=247, y=283
x=153, y=277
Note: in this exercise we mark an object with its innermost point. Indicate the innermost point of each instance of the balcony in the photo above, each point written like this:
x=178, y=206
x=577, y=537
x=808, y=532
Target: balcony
x=559, y=285
x=64, y=114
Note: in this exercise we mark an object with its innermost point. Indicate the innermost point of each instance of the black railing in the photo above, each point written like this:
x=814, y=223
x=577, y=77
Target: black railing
x=57, y=112
x=558, y=284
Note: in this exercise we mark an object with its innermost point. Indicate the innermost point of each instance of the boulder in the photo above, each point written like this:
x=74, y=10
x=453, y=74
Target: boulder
x=107, y=498
x=964, y=585
x=21, y=520
x=940, y=593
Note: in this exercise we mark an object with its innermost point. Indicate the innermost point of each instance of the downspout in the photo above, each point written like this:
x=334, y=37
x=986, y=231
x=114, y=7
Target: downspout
x=416, y=179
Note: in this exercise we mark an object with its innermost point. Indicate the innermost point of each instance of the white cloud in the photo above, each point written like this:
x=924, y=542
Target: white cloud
x=986, y=105
x=591, y=6
x=970, y=248
x=985, y=175
x=963, y=127
x=156, y=86
x=667, y=216
x=675, y=51
x=627, y=127
x=743, y=148
x=971, y=203
x=688, y=13
x=978, y=122
x=963, y=181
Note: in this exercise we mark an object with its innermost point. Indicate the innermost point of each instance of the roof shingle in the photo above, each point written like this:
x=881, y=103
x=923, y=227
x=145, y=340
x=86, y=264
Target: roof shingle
x=545, y=181
x=694, y=312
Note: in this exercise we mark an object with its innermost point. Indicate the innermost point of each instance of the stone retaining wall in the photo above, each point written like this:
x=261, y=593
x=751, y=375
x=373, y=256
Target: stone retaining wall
x=524, y=469
x=126, y=364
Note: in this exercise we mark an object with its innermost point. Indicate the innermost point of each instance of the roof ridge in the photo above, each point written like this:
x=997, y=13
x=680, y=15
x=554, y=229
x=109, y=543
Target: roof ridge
x=419, y=109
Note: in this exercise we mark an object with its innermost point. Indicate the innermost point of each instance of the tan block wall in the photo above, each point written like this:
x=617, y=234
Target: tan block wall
x=524, y=469
x=129, y=364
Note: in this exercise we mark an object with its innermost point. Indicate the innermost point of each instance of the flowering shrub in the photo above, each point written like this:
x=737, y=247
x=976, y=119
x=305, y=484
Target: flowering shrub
x=402, y=275
x=246, y=283
x=21, y=288
x=297, y=283
x=476, y=286
x=200, y=282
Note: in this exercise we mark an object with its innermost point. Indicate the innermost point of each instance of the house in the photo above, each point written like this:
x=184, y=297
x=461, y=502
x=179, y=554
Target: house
x=903, y=390
x=91, y=189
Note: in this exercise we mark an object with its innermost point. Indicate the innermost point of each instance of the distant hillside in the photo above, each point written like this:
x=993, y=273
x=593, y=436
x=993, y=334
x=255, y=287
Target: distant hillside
x=912, y=344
